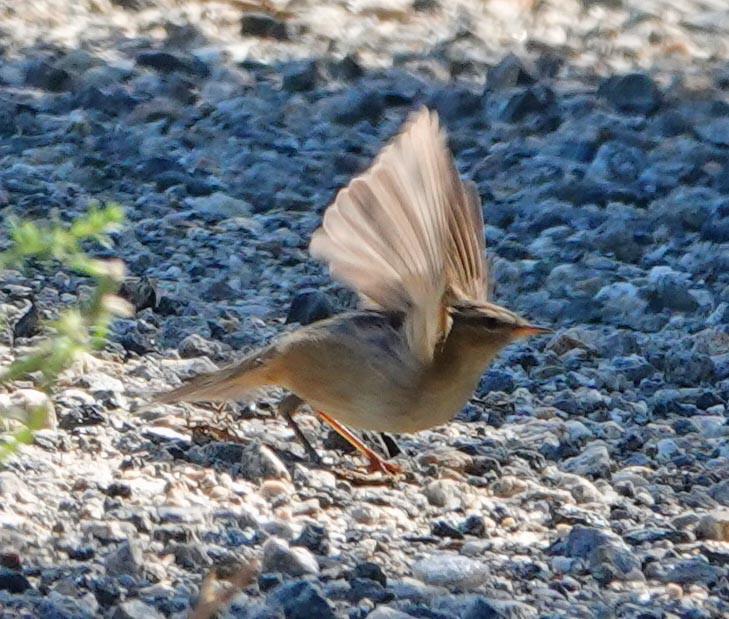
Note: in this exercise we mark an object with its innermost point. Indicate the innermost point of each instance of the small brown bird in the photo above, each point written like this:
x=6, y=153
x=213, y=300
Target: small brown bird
x=407, y=236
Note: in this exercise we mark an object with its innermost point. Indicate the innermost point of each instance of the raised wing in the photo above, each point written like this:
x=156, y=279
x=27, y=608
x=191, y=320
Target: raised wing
x=407, y=235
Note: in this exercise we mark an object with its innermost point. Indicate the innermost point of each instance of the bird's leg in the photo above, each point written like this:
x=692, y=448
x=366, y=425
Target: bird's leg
x=288, y=407
x=376, y=463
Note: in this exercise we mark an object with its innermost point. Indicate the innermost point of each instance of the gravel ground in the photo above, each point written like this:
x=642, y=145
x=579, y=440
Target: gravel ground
x=589, y=477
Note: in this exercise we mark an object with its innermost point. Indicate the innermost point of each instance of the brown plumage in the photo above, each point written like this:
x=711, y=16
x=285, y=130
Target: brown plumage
x=407, y=236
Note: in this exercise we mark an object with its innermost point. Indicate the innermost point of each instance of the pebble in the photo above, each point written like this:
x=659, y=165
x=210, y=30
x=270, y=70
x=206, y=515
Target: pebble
x=136, y=609
x=279, y=557
x=125, y=560
x=451, y=570
x=593, y=462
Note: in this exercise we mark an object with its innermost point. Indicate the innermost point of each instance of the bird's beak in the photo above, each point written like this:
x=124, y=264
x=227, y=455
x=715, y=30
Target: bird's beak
x=529, y=330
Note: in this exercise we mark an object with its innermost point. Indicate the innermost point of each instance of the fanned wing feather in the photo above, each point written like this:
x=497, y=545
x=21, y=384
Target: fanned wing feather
x=467, y=270
x=407, y=235
x=386, y=233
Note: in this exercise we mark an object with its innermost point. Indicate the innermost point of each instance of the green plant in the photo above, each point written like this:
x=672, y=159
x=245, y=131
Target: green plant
x=76, y=330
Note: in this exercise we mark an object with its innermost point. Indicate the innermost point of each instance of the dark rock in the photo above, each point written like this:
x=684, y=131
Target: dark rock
x=484, y=608
x=82, y=415
x=313, y=537
x=474, y=525
x=521, y=104
x=29, y=324
x=135, y=342
x=172, y=532
x=425, y=5
x=453, y=104
x=13, y=581
x=113, y=100
x=364, y=588
x=303, y=600
x=309, y=306
x=634, y=367
x=348, y=68
x=118, y=489
x=608, y=557
x=442, y=529
x=217, y=453
x=508, y=73
x=134, y=5
x=688, y=369
x=192, y=556
x=715, y=131
x=106, y=590
x=125, y=560
x=634, y=93
x=269, y=580
x=168, y=62
x=496, y=380
x=656, y=534
x=670, y=289
x=262, y=25
x=81, y=553
x=140, y=292
x=300, y=76
x=63, y=607
x=355, y=106
x=197, y=346
x=689, y=571
x=46, y=76
x=720, y=492
x=370, y=571
x=617, y=162
x=590, y=191
x=10, y=560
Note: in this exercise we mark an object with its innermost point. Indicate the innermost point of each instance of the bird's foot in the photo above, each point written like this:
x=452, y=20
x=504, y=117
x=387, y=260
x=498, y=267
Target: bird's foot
x=378, y=465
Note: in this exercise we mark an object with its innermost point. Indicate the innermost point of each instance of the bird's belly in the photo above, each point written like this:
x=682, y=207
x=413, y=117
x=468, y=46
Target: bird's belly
x=386, y=408
x=361, y=392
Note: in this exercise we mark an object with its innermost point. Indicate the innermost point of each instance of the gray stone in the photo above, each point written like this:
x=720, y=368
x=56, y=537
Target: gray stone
x=309, y=306
x=617, y=162
x=300, y=76
x=634, y=93
x=621, y=305
x=259, y=462
x=263, y=25
x=451, y=570
x=125, y=560
x=689, y=571
x=303, y=600
x=136, y=609
x=279, y=557
x=13, y=581
x=720, y=492
x=220, y=205
x=484, y=608
x=508, y=73
x=607, y=556
x=593, y=462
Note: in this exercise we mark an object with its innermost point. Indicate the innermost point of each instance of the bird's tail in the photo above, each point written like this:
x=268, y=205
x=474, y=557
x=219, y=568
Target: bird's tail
x=235, y=382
